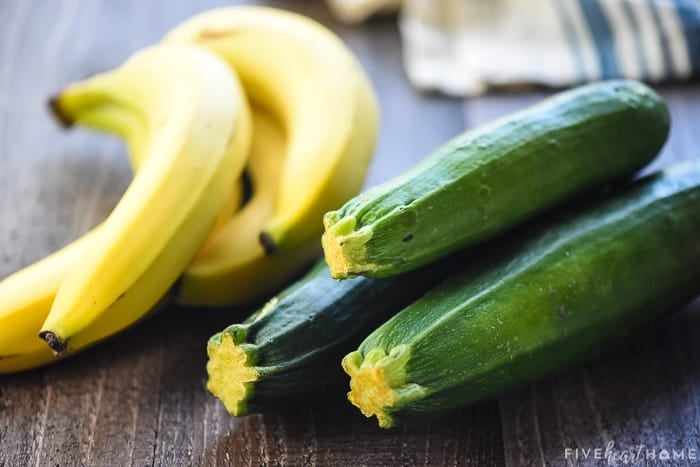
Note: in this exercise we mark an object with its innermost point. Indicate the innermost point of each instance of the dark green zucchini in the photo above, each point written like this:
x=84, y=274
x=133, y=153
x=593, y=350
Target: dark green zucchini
x=551, y=296
x=289, y=350
x=494, y=177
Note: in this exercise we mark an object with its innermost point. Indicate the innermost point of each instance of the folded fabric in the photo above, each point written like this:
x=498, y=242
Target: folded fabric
x=464, y=47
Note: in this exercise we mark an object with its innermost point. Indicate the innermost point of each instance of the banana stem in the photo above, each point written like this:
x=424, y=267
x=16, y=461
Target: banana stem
x=58, y=347
x=64, y=119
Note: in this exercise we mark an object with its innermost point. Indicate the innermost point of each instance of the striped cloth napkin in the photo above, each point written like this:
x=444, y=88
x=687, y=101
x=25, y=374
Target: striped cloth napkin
x=465, y=47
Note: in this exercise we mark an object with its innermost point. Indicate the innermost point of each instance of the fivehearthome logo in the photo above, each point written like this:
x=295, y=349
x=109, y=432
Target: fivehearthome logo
x=614, y=455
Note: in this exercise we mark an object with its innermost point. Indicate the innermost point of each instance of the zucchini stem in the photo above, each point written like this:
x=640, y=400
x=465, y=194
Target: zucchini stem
x=231, y=369
x=378, y=383
x=344, y=247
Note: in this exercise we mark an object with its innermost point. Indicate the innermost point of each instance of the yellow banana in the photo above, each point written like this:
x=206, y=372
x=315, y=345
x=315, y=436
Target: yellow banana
x=232, y=268
x=112, y=115
x=199, y=130
x=302, y=73
x=27, y=295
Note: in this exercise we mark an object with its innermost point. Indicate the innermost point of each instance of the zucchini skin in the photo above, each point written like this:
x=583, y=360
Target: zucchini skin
x=294, y=343
x=491, y=178
x=552, y=297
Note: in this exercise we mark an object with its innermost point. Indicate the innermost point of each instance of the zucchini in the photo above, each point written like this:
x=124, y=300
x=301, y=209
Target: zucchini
x=489, y=179
x=289, y=350
x=545, y=301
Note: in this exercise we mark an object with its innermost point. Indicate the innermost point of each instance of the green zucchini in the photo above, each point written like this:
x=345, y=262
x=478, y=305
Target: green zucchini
x=289, y=350
x=553, y=297
x=493, y=177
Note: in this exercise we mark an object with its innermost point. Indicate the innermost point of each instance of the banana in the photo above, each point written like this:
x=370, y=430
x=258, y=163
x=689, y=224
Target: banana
x=127, y=123
x=309, y=80
x=27, y=295
x=198, y=124
x=232, y=268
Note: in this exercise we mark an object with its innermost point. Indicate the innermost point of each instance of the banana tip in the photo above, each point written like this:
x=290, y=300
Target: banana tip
x=268, y=243
x=57, y=111
x=57, y=345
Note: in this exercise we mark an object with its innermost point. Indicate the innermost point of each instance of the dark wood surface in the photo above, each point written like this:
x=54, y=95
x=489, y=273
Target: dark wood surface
x=140, y=399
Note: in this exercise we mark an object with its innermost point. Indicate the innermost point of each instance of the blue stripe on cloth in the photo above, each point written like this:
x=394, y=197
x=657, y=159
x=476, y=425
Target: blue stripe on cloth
x=602, y=36
x=689, y=14
x=571, y=39
x=663, y=37
x=641, y=57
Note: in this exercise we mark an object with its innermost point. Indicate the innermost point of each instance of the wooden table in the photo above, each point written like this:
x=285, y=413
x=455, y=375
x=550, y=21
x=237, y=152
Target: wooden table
x=140, y=398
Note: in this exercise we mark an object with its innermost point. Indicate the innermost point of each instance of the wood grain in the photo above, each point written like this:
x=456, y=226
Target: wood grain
x=140, y=399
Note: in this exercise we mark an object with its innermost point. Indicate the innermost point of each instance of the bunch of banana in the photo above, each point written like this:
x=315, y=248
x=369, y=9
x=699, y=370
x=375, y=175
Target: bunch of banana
x=185, y=119
x=183, y=112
